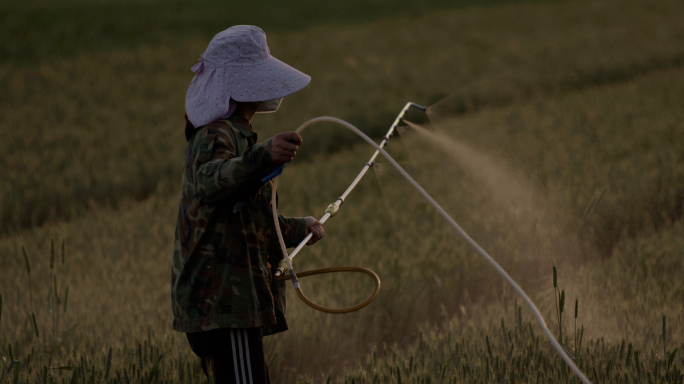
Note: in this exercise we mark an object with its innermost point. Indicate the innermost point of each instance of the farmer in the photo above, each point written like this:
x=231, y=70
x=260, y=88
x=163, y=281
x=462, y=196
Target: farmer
x=226, y=249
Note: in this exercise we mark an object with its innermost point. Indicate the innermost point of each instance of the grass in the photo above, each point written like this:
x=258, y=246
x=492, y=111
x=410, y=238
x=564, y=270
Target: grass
x=386, y=237
x=478, y=349
x=563, y=151
x=496, y=342
x=76, y=26
x=101, y=124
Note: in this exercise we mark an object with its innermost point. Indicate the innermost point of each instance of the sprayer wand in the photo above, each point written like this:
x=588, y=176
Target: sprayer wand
x=335, y=207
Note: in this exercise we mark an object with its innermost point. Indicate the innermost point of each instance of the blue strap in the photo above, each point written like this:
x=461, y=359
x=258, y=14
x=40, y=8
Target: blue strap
x=277, y=170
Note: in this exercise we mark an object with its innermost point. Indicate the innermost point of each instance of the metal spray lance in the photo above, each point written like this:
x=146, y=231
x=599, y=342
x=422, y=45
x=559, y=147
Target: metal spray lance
x=333, y=208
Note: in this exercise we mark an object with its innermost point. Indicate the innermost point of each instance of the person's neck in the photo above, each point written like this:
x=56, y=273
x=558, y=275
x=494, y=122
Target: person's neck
x=242, y=120
x=245, y=111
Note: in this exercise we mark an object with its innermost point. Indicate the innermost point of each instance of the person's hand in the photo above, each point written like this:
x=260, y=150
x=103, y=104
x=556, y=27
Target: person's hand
x=284, y=147
x=314, y=226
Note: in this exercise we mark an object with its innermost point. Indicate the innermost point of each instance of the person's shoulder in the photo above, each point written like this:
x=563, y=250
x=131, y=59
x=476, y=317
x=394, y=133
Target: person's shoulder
x=219, y=130
x=209, y=135
x=219, y=127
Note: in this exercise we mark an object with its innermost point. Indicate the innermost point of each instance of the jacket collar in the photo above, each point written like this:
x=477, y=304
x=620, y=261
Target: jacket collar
x=245, y=130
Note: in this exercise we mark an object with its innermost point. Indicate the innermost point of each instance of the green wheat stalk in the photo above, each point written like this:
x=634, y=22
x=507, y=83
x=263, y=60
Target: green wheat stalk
x=576, y=308
x=671, y=359
x=637, y=365
x=83, y=371
x=560, y=304
x=555, y=277
x=28, y=272
x=35, y=324
x=73, y=377
x=503, y=330
x=52, y=253
x=578, y=338
x=629, y=355
x=66, y=297
x=108, y=365
x=520, y=324
x=154, y=371
x=57, y=300
x=664, y=336
x=140, y=359
x=489, y=349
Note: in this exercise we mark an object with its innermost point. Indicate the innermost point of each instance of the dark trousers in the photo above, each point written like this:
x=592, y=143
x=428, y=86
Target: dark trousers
x=232, y=355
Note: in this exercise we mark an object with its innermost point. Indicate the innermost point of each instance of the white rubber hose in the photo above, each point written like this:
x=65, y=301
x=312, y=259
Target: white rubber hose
x=453, y=223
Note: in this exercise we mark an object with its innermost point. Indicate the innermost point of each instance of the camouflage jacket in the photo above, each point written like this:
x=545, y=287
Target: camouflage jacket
x=226, y=248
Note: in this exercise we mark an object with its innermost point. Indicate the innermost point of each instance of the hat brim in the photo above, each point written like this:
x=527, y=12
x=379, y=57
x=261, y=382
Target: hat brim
x=270, y=79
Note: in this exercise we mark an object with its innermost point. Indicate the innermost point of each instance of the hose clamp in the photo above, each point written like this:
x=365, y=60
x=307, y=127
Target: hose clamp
x=334, y=207
x=282, y=267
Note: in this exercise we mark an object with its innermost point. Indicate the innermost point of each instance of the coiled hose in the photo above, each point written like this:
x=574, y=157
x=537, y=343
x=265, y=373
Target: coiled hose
x=295, y=277
x=446, y=216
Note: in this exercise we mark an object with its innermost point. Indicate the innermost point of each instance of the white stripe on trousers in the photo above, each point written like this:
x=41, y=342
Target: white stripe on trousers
x=241, y=336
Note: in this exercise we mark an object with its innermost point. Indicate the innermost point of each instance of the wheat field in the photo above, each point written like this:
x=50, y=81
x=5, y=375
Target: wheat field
x=553, y=138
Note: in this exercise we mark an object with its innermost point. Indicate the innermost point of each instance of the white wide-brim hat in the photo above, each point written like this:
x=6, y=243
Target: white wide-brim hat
x=238, y=67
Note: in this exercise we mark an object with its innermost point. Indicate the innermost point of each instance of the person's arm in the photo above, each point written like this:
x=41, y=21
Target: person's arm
x=295, y=229
x=316, y=227
x=220, y=171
